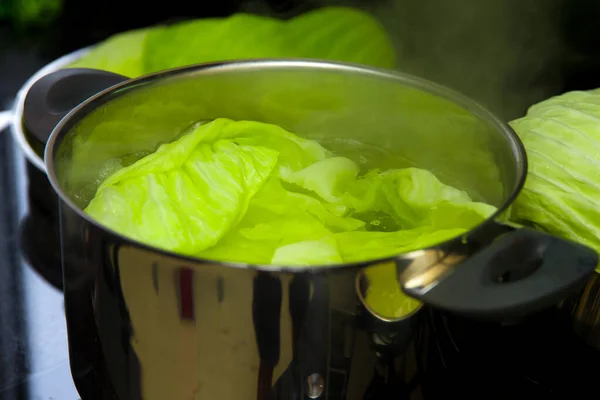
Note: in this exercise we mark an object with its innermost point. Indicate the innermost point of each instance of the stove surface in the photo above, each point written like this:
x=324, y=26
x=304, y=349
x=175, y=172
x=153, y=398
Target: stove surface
x=34, y=360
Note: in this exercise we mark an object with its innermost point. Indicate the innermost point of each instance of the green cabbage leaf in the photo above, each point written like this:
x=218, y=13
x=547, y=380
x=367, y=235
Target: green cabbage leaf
x=243, y=191
x=562, y=190
x=329, y=33
x=121, y=53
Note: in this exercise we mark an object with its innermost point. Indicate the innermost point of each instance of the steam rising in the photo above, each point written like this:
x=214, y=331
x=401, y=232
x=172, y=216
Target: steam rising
x=502, y=53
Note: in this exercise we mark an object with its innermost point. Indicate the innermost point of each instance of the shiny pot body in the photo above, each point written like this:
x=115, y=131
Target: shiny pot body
x=144, y=325
x=149, y=324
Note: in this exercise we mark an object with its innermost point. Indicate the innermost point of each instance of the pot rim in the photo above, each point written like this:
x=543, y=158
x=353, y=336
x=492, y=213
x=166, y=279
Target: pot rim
x=64, y=126
x=16, y=125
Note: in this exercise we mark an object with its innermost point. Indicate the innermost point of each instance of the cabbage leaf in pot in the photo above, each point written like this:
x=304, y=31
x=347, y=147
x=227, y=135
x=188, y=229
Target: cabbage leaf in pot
x=251, y=192
x=562, y=190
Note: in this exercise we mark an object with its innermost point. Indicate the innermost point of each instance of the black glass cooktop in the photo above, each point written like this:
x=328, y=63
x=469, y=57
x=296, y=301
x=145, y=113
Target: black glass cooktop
x=33, y=341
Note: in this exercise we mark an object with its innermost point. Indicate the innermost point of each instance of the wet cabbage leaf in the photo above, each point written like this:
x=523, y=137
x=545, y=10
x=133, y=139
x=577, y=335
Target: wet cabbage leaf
x=251, y=192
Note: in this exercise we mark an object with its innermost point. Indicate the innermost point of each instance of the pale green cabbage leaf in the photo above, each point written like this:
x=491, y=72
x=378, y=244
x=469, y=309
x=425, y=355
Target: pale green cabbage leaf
x=121, y=53
x=185, y=196
x=329, y=33
x=562, y=190
x=252, y=192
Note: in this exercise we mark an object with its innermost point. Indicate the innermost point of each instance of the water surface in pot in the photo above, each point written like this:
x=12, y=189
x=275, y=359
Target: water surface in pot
x=396, y=122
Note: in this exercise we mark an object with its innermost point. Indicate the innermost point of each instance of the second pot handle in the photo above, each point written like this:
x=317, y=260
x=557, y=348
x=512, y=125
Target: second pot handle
x=54, y=95
x=520, y=272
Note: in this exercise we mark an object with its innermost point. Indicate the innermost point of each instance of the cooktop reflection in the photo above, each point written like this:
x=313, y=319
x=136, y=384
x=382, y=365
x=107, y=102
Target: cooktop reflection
x=34, y=360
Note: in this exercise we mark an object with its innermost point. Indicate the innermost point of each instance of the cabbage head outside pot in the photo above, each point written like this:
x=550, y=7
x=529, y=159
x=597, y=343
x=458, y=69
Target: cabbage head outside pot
x=562, y=191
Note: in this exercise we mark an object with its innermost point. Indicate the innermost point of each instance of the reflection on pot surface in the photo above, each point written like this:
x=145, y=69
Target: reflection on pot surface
x=39, y=236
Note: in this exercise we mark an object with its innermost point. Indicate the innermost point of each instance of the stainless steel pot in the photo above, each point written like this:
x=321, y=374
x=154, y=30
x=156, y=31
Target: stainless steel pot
x=145, y=323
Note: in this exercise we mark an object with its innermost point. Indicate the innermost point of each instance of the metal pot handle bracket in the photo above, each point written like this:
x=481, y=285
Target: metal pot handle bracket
x=508, y=273
x=54, y=95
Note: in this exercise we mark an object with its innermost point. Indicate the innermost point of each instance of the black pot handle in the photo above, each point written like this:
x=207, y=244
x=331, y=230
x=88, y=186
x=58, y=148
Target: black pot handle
x=521, y=271
x=52, y=96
